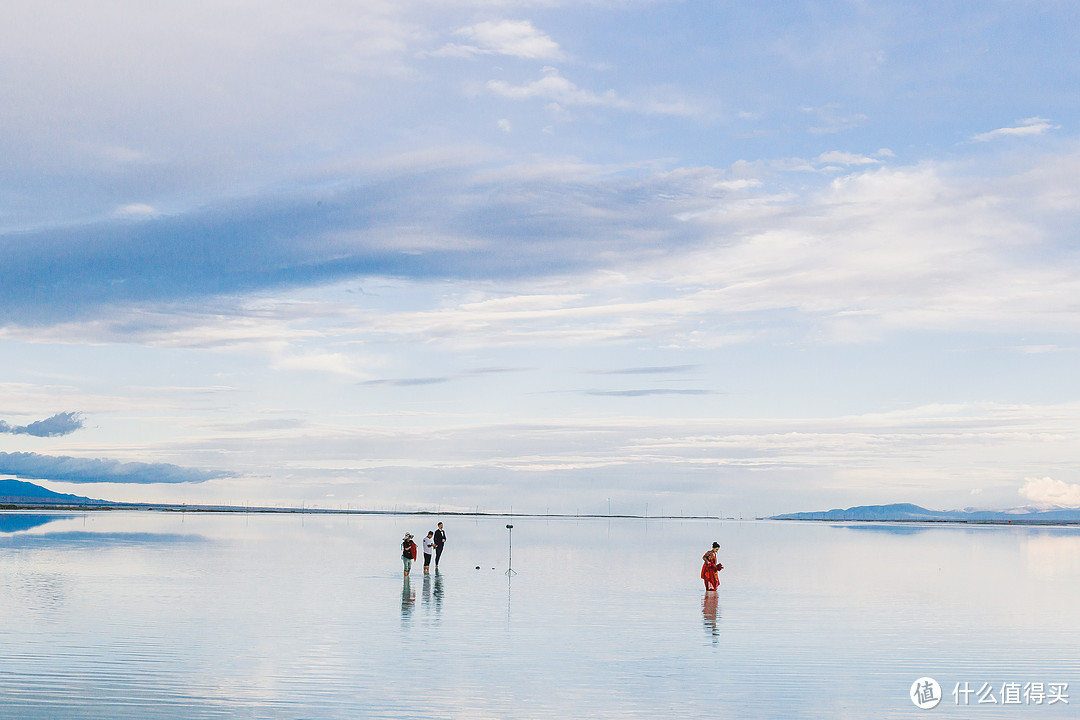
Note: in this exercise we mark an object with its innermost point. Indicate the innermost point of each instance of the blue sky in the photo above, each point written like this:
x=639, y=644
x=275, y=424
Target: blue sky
x=739, y=257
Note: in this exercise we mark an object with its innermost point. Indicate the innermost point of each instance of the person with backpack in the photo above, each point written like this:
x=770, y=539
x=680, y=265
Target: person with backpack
x=408, y=552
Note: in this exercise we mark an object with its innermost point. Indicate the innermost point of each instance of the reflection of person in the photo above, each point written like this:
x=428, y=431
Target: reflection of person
x=710, y=614
x=408, y=598
x=710, y=568
x=429, y=547
x=408, y=552
x=440, y=540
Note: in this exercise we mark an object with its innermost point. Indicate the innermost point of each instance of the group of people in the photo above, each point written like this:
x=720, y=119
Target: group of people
x=436, y=539
x=433, y=545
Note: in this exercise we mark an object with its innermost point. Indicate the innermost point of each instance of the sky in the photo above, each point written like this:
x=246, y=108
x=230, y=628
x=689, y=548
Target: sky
x=726, y=258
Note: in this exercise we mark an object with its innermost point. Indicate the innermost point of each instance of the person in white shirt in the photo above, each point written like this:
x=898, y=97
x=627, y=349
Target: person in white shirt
x=429, y=548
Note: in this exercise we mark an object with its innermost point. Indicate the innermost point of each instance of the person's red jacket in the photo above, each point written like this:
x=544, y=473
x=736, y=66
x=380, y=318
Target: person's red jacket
x=412, y=549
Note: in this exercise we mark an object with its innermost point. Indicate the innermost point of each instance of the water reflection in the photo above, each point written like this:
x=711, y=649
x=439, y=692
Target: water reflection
x=19, y=522
x=710, y=614
x=890, y=529
x=817, y=626
x=408, y=599
x=437, y=593
x=1053, y=554
x=96, y=540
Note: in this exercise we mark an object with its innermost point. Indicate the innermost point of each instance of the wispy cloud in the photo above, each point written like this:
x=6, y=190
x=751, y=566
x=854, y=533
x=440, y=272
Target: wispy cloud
x=654, y=370
x=581, y=254
x=464, y=221
x=562, y=94
x=63, y=423
x=1030, y=126
x=838, y=157
x=136, y=210
x=556, y=88
x=647, y=392
x=32, y=466
x=831, y=119
x=515, y=38
x=408, y=382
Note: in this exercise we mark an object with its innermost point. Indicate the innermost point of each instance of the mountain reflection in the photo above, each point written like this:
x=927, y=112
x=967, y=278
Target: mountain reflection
x=19, y=522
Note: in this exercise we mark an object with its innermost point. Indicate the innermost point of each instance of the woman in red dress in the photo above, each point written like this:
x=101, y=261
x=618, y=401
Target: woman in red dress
x=711, y=568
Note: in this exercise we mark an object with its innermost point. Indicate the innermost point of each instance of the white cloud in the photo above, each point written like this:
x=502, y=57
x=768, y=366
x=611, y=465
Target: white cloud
x=1030, y=126
x=873, y=252
x=136, y=210
x=838, y=157
x=516, y=38
x=553, y=86
x=1047, y=491
x=563, y=93
x=334, y=363
x=738, y=184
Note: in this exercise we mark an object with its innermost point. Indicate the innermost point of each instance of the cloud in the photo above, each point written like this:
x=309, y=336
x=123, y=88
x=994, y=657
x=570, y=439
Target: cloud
x=647, y=392
x=830, y=120
x=32, y=466
x=224, y=95
x=63, y=423
x=577, y=253
x=135, y=210
x=838, y=157
x=1047, y=491
x=516, y=38
x=462, y=221
x=651, y=370
x=407, y=382
x=1028, y=127
x=554, y=87
x=911, y=454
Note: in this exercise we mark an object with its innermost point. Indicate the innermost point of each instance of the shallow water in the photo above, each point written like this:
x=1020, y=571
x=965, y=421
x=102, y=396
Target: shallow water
x=160, y=615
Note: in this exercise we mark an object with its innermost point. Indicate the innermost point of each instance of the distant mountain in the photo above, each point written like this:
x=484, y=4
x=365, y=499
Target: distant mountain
x=906, y=512
x=17, y=492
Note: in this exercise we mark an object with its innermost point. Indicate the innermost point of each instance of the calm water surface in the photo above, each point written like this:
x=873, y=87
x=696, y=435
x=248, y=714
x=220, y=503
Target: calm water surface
x=154, y=615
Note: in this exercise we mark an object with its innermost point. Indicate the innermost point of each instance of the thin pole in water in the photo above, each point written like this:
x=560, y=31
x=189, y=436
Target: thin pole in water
x=510, y=563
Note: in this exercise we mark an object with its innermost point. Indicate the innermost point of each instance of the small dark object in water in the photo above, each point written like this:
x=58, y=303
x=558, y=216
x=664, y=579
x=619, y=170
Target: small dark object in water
x=477, y=567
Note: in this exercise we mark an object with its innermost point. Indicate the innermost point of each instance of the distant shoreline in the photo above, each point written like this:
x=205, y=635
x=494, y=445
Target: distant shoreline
x=261, y=510
x=102, y=506
x=909, y=513
x=955, y=521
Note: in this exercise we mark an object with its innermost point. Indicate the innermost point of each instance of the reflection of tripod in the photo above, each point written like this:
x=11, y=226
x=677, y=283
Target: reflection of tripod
x=510, y=563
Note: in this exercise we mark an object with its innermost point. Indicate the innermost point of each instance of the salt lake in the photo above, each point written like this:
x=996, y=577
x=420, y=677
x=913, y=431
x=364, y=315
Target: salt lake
x=193, y=615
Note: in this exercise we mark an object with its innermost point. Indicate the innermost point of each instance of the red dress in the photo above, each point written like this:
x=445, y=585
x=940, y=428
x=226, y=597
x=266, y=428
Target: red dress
x=710, y=571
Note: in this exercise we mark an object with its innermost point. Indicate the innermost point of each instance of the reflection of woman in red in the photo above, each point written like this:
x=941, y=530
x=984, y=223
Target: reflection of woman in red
x=711, y=568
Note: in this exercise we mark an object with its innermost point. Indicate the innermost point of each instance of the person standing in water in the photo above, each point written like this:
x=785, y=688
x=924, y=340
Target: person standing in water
x=440, y=540
x=711, y=568
x=429, y=547
x=408, y=553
